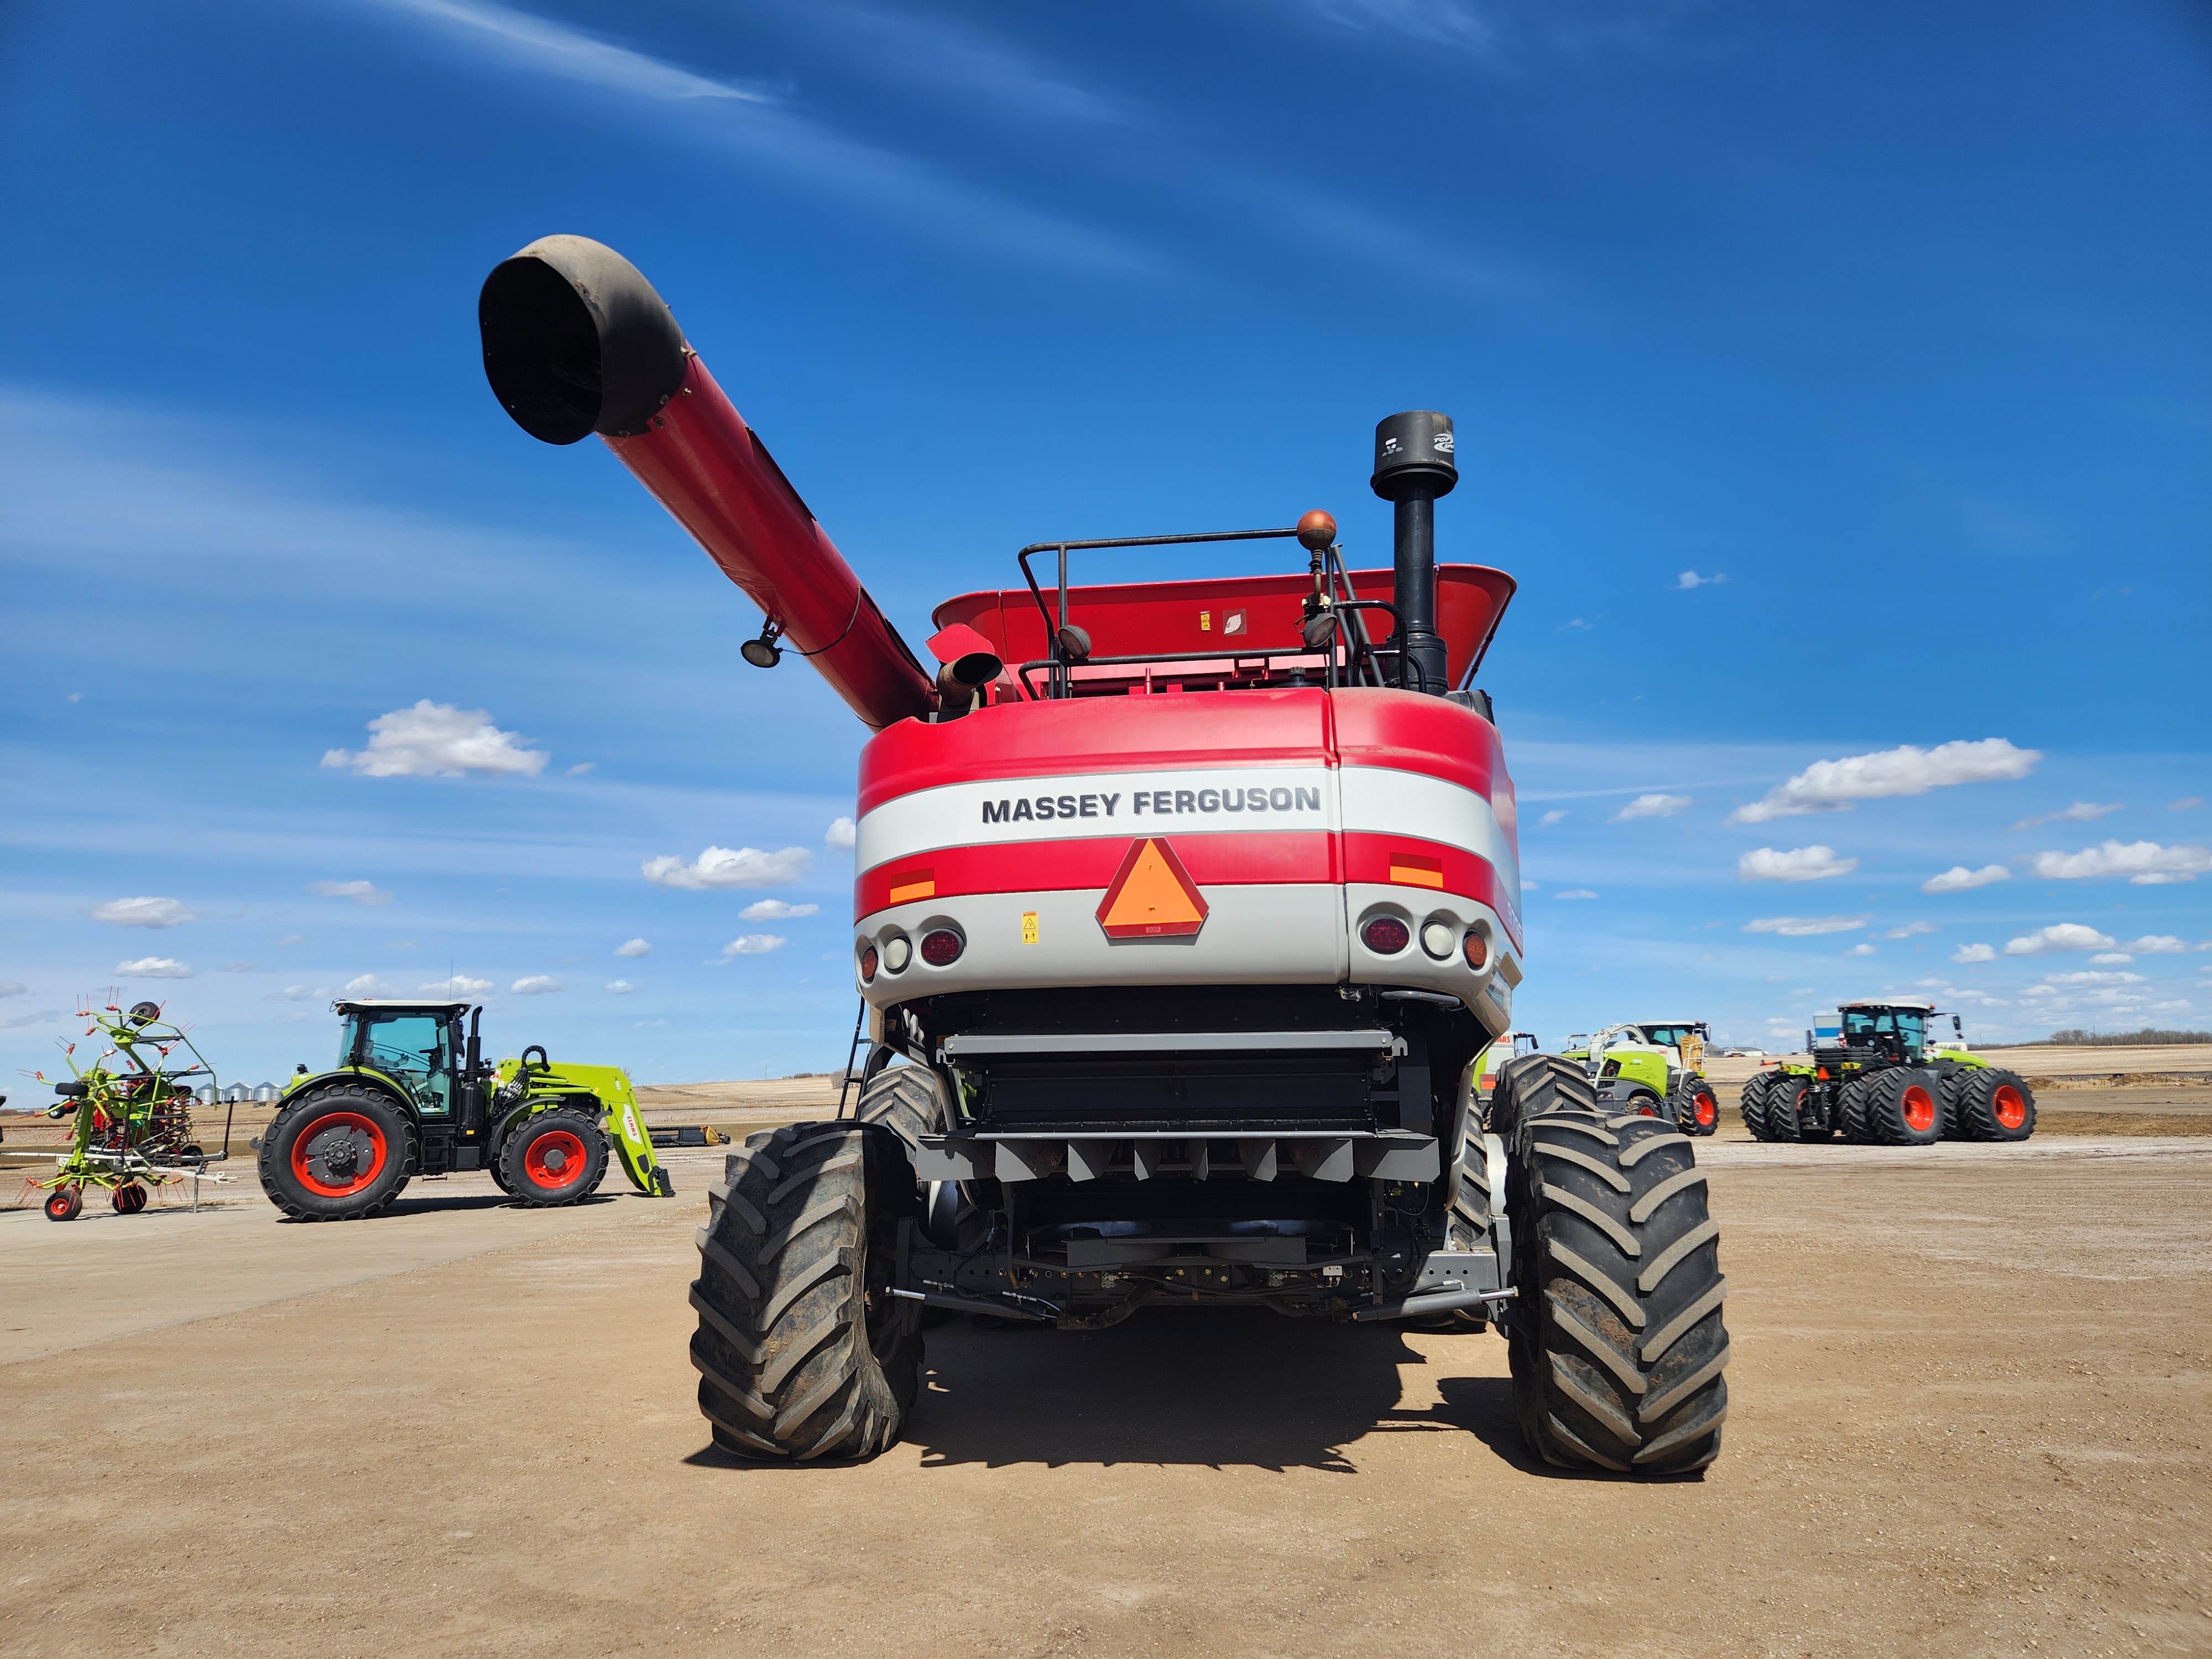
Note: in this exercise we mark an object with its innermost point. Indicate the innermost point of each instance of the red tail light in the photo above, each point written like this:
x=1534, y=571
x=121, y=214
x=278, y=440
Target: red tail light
x=1476, y=950
x=868, y=966
x=1386, y=936
x=941, y=947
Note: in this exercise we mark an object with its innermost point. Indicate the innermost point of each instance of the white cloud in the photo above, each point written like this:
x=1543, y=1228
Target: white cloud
x=435, y=739
x=535, y=985
x=2144, y=863
x=1576, y=621
x=153, y=967
x=142, y=913
x=1831, y=785
x=19, y=1022
x=460, y=985
x=1798, y=864
x=369, y=985
x=242, y=967
x=580, y=768
x=1651, y=806
x=724, y=867
x=1691, y=579
x=291, y=993
x=1909, y=929
x=841, y=833
x=1805, y=927
x=2093, y=978
x=2156, y=944
x=1529, y=886
x=1860, y=950
x=2187, y=803
x=777, y=910
x=1974, y=953
x=2110, y=959
x=2062, y=936
x=636, y=947
x=1556, y=815
x=1958, y=878
x=753, y=944
x=361, y=892
x=14, y=988
x=621, y=987
x=292, y=939
x=1576, y=893
x=2082, y=811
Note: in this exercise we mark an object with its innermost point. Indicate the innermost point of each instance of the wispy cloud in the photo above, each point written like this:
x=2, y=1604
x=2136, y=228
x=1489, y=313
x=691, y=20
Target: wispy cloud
x=729, y=867
x=1831, y=785
x=2144, y=863
x=1651, y=806
x=1958, y=878
x=1805, y=927
x=2082, y=811
x=142, y=913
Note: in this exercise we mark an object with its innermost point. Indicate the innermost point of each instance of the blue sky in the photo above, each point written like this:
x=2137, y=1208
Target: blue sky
x=1836, y=381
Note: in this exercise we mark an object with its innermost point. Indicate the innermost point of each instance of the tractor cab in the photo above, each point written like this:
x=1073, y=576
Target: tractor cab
x=422, y=1047
x=1687, y=1037
x=1894, y=1031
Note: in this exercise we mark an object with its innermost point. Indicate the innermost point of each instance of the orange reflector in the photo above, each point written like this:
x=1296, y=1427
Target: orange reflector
x=1411, y=869
x=1152, y=896
x=911, y=885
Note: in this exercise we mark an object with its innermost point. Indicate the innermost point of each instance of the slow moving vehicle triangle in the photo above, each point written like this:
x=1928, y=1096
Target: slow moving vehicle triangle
x=1152, y=896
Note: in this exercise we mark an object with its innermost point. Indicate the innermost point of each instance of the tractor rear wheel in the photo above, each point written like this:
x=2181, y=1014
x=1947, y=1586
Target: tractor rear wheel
x=1616, y=1343
x=801, y=1349
x=64, y=1203
x=340, y=1154
x=1898, y=1106
x=1782, y=1108
x=554, y=1158
x=1995, y=1105
x=1752, y=1102
x=1696, y=1108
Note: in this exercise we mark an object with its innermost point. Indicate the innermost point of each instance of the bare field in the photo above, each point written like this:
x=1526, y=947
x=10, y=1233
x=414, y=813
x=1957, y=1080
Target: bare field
x=1969, y=1417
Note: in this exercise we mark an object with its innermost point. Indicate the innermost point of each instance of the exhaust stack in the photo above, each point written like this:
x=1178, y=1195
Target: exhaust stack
x=1413, y=466
x=576, y=341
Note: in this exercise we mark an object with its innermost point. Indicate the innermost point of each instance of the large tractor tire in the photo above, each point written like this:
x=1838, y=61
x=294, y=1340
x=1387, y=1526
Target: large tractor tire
x=1782, y=1108
x=1695, y=1107
x=1752, y=1102
x=340, y=1154
x=1898, y=1106
x=1616, y=1343
x=554, y=1158
x=1995, y=1105
x=801, y=1349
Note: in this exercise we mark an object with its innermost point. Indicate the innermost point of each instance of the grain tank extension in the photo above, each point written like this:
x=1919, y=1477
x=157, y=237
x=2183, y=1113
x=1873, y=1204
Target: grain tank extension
x=1184, y=911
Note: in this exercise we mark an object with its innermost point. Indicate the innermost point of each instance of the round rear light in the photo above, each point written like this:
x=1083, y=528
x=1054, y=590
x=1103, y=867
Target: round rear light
x=1437, y=939
x=1476, y=950
x=898, y=950
x=941, y=947
x=1386, y=936
x=868, y=965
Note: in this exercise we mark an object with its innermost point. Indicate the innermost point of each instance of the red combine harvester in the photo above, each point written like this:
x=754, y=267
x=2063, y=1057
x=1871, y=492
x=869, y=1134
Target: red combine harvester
x=1184, y=913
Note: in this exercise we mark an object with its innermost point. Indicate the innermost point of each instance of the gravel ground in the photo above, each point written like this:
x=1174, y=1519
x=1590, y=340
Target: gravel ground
x=1969, y=1416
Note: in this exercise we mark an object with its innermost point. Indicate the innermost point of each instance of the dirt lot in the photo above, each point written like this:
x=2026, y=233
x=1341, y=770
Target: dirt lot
x=1969, y=1416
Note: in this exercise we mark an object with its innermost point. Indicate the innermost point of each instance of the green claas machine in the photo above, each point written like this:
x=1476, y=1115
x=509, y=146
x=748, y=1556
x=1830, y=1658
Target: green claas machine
x=1875, y=1075
x=411, y=1094
x=1654, y=1067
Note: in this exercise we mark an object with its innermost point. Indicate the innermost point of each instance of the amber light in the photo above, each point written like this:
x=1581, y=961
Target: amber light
x=941, y=947
x=868, y=965
x=1386, y=936
x=1476, y=950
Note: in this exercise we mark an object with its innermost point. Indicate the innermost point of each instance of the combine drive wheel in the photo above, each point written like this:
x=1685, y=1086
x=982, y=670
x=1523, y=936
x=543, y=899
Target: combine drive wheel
x=909, y=1101
x=340, y=1154
x=554, y=1158
x=64, y=1203
x=801, y=1349
x=1899, y=1106
x=1695, y=1107
x=1996, y=1106
x=1616, y=1344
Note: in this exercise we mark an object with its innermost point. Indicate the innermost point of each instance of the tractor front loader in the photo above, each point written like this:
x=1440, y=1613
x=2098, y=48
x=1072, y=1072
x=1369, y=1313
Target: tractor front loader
x=1876, y=1076
x=411, y=1094
x=1185, y=912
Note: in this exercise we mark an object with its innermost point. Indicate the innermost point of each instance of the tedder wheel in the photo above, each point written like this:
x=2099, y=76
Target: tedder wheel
x=1615, y=1340
x=555, y=1157
x=802, y=1352
x=338, y=1155
x=1995, y=1106
x=1695, y=1107
x=63, y=1203
x=1899, y=1106
x=128, y=1199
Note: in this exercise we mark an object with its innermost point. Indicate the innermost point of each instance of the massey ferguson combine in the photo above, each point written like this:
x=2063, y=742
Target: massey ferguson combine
x=1185, y=911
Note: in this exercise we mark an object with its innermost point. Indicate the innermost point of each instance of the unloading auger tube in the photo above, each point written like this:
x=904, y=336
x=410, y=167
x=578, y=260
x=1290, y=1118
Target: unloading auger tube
x=1184, y=911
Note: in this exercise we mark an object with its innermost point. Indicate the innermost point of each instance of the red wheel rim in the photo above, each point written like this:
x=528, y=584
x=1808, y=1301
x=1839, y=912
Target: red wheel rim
x=62, y=1202
x=2011, y=1107
x=554, y=1160
x=338, y=1154
x=1919, y=1109
x=1708, y=1111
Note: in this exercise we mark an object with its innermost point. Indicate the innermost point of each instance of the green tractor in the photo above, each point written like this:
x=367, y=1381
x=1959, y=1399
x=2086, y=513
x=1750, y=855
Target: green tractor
x=1876, y=1076
x=411, y=1094
x=1654, y=1067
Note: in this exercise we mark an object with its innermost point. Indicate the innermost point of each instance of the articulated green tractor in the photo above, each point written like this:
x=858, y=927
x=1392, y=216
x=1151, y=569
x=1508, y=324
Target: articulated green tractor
x=1654, y=1067
x=411, y=1094
x=1876, y=1076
